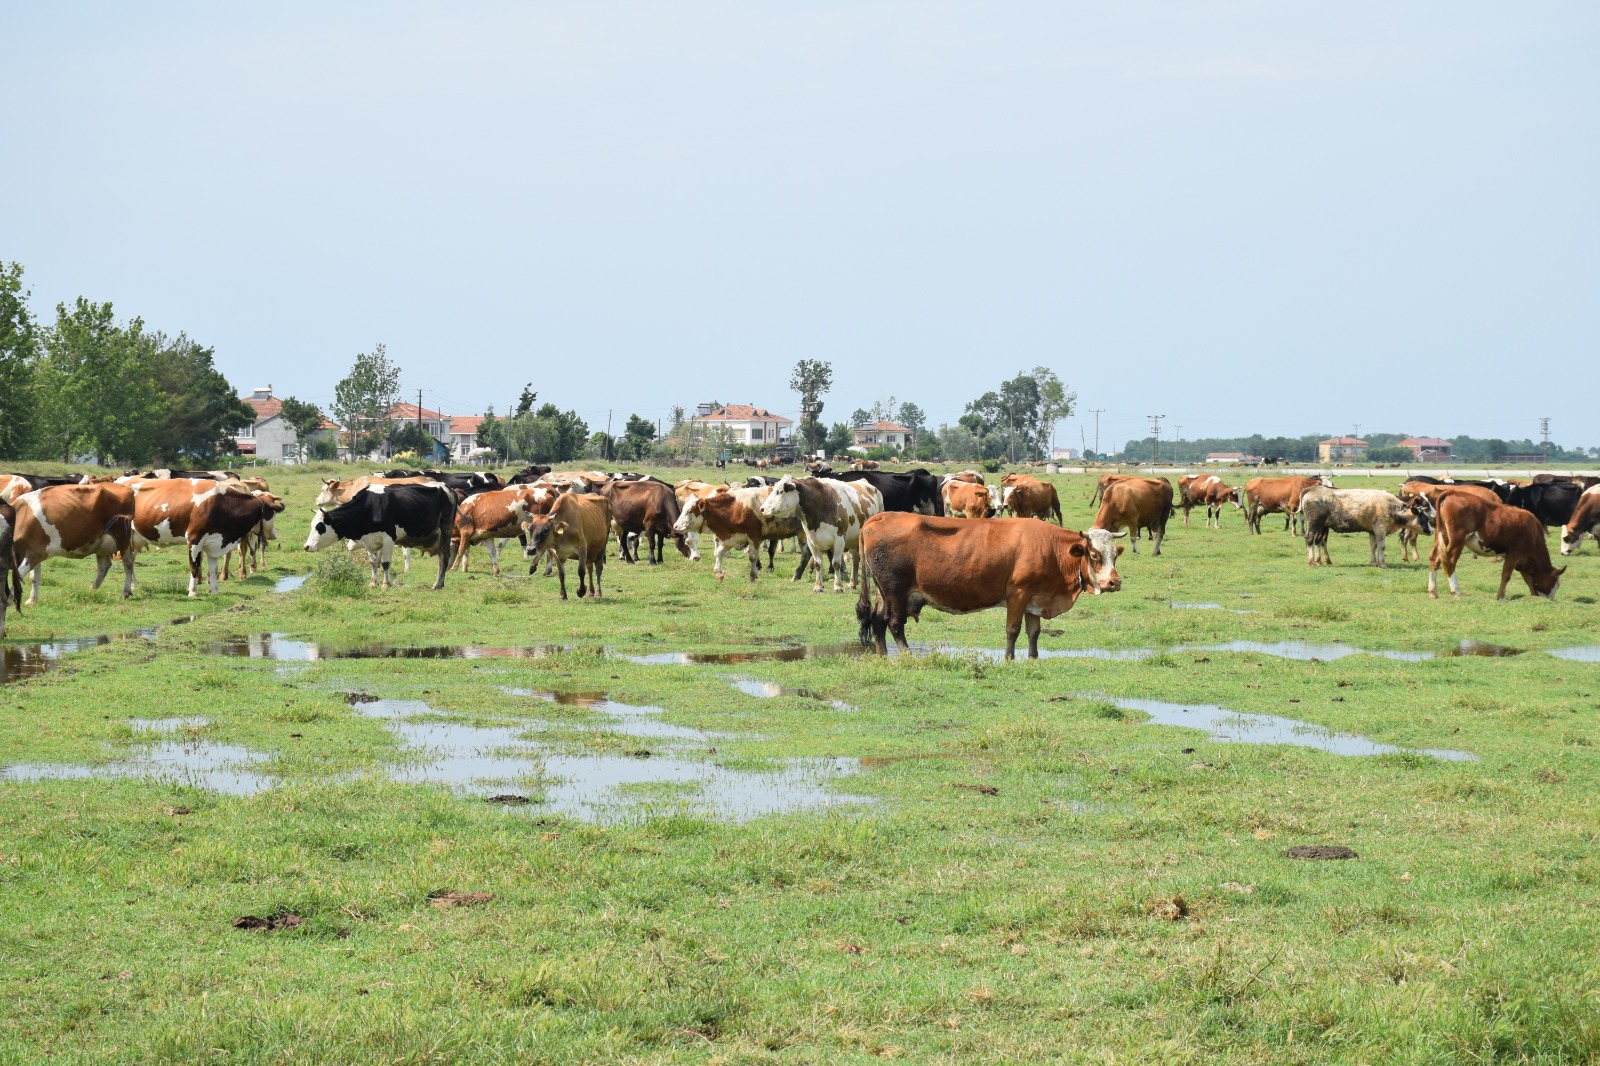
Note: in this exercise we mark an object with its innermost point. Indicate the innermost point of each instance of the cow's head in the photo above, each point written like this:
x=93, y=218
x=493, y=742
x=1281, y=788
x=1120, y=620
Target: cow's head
x=783, y=500
x=692, y=518
x=1101, y=549
x=538, y=529
x=322, y=533
x=1546, y=583
x=1416, y=513
x=1572, y=534
x=686, y=545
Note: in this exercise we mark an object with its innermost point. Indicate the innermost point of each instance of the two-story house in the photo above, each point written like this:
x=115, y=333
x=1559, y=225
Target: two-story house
x=1342, y=450
x=746, y=424
x=269, y=438
x=882, y=434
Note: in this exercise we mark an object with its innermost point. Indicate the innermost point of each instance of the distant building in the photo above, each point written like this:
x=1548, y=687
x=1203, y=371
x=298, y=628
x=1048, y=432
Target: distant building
x=435, y=426
x=1063, y=453
x=269, y=438
x=1225, y=457
x=883, y=434
x=1427, y=449
x=464, y=437
x=1342, y=450
x=746, y=424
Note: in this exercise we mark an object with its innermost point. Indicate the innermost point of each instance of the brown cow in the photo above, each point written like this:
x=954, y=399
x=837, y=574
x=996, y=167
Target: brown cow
x=1028, y=497
x=1491, y=530
x=1432, y=493
x=648, y=509
x=223, y=521
x=75, y=522
x=1105, y=482
x=1585, y=519
x=494, y=516
x=1277, y=495
x=963, y=499
x=732, y=523
x=1135, y=504
x=972, y=477
x=959, y=567
x=863, y=464
x=10, y=581
x=1208, y=491
x=577, y=527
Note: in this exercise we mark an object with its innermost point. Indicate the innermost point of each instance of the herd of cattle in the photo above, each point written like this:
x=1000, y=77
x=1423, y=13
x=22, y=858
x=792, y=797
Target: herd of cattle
x=922, y=540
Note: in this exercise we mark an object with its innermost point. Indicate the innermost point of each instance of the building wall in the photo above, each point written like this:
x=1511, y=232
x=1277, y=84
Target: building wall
x=276, y=442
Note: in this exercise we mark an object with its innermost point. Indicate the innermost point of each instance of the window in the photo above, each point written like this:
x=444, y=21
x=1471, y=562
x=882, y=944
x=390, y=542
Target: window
x=291, y=451
x=755, y=434
x=248, y=432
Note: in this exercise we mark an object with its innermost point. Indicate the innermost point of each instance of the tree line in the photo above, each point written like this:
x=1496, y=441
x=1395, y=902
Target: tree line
x=1381, y=448
x=88, y=386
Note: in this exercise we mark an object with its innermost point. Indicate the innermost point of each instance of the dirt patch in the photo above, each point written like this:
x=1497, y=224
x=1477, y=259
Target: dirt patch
x=459, y=899
x=354, y=698
x=280, y=920
x=177, y=811
x=1167, y=908
x=984, y=790
x=508, y=799
x=1321, y=851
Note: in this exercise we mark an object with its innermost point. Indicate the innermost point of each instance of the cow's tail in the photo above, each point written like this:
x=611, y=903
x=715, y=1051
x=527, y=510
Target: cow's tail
x=1055, y=509
x=864, y=602
x=120, y=530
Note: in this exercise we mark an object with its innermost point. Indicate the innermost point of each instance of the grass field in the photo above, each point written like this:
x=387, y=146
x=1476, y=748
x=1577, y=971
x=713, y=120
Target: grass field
x=983, y=861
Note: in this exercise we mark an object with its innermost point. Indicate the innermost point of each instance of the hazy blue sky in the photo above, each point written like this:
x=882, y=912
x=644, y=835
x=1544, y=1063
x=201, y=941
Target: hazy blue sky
x=1264, y=216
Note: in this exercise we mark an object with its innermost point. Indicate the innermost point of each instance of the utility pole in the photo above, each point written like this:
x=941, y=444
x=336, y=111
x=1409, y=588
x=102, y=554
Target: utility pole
x=419, y=424
x=608, y=436
x=1155, y=431
x=1544, y=431
x=1175, y=444
x=1097, y=412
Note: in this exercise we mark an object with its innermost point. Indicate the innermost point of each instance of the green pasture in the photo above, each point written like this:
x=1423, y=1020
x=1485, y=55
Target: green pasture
x=1013, y=867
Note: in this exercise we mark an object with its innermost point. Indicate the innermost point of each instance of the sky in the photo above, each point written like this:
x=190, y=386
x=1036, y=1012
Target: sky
x=1245, y=216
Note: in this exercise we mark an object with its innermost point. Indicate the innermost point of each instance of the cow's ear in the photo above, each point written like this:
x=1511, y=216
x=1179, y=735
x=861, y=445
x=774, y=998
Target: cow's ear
x=1561, y=571
x=1077, y=549
x=1121, y=548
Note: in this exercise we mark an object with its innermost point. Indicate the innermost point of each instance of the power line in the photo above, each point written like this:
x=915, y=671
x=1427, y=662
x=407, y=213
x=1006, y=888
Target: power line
x=1097, y=412
x=1155, y=431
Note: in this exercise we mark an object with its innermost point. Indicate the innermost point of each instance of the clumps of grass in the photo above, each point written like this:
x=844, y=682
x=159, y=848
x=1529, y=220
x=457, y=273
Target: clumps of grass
x=502, y=595
x=341, y=573
x=1314, y=612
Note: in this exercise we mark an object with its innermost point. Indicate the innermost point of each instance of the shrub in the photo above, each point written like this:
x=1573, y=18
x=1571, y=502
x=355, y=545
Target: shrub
x=341, y=573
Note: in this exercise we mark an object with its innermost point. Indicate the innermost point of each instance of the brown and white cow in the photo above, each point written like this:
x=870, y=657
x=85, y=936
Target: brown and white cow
x=494, y=516
x=1132, y=504
x=577, y=527
x=74, y=522
x=864, y=464
x=223, y=521
x=960, y=567
x=646, y=509
x=1208, y=491
x=1028, y=497
x=1277, y=495
x=1585, y=520
x=972, y=477
x=10, y=581
x=731, y=523
x=830, y=513
x=1491, y=530
x=963, y=499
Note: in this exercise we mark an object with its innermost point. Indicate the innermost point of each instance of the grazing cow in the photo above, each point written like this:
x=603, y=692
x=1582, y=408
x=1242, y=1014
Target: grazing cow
x=12, y=486
x=336, y=492
x=1371, y=511
x=10, y=581
x=254, y=545
x=74, y=522
x=1491, y=530
x=1133, y=504
x=465, y=485
x=381, y=516
x=913, y=490
x=1585, y=520
x=163, y=507
x=970, y=476
x=689, y=488
x=577, y=527
x=1028, y=497
x=961, y=567
x=528, y=475
x=863, y=464
x=1107, y=480
x=1277, y=495
x=732, y=524
x=1208, y=491
x=830, y=513
x=775, y=529
x=494, y=516
x=818, y=468
x=648, y=509
x=963, y=499
x=223, y=521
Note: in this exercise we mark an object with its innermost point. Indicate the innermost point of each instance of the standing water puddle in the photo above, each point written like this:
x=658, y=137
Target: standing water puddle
x=290, y=584
x=1206, y=607
x=1235, y=727
x=768, y=690
x=1586, y=654
x=1305, y=650
x=278, y=646
x=19, y=662
x=481, y=760
x=191, y=761
x=624, y=718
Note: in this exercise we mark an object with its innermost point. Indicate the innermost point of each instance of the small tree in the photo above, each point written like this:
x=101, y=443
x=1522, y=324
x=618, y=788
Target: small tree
x=362, y=400
x=304, y=418
x=19, y=355
x=637, y=437
x=811, y=379
x=860, y=417
x=839, y=439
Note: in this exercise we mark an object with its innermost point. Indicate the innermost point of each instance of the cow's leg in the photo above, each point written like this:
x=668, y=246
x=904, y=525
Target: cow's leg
x=819, y=559
x=1016, y=610
x=1506, y=570
x=599, y=569
x=1186, y=506
x=444, y=561
x=1158, y=534
x=1133, y=535
x=855, y=564
x=494, y=555
x=1033, y=623
x=839, y=566
x=561, y=572
x=102, y=568
x=622, y=546
x=1435, y=556
x=717, y=551
x=33, y=597
x=372, y=560
x=755, y=560
x=583, y=574
x=211, y=561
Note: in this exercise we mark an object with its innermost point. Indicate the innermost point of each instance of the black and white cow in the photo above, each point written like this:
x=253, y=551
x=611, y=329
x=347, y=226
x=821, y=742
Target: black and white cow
x=915, y=491
x=379, y=517
x=1552, y=504
x=464, y=485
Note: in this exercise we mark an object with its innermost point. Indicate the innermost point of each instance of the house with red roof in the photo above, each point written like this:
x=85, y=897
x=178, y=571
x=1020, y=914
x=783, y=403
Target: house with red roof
x=745, y=423
x=269, y=438
x=1428, y=449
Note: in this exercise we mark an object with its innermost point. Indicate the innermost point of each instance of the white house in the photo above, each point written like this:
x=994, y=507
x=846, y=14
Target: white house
x=269, y=438
x=882, y=434
x=464, y=437
x=745, y=424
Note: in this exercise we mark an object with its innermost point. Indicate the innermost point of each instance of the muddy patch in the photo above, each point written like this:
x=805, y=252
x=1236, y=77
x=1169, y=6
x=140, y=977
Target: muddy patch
x=1234, y=727
x=278, y=920
x=1322, y=852
x=1482, y=648
x=453, y=898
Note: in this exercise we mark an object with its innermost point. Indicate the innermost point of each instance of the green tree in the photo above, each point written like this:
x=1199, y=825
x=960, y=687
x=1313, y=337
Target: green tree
x=637, y=437
x=1388, y=453
x=19, y=355
x=100, y=383
x=304, y=418
x=362, y=400
x=912, y=417
x=812, y=378
x=492, y=435
x=526, y=400
x=1055, y=403
x=839, y=439
x=201, y=407
x=860, y=417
